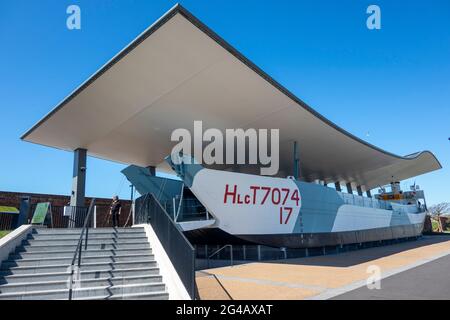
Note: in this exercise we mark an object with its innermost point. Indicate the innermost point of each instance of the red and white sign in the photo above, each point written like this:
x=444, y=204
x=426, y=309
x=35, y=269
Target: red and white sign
x=248, y=204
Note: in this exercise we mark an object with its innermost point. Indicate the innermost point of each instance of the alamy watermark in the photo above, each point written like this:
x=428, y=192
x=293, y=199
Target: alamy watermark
x=374, y=279
x=373, y=22
x=73, y=21
x=74, y=279
x=234, y=142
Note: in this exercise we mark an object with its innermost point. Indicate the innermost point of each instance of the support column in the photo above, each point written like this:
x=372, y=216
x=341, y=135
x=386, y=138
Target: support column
x=337, y=185
x=359, y=189
x=152, y=170
x=24, y=209
x=79, y=178
x=296, y=171
x=369, y=194
x=349, y=187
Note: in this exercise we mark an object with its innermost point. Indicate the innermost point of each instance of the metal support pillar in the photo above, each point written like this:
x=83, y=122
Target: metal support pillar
x=77, y=197
x=349, y=187
x=296, y=170
x=152, y=170
x=359, y=189
x=338, y=186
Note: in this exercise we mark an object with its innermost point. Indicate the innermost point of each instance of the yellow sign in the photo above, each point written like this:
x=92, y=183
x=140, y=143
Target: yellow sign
x=5, y=209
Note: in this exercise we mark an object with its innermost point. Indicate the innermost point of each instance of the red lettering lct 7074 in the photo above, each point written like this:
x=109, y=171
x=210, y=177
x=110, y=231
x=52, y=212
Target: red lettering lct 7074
x=260, y=195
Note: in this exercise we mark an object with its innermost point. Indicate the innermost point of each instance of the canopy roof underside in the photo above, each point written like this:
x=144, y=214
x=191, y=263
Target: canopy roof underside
x=178, y=71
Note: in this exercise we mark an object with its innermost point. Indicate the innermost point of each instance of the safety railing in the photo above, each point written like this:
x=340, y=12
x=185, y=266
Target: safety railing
x=6, y=220
x=64, y=216
x=79, y=247
x=178, y=248
x=182, y=210
x=219, y=250
x=73, y=217
x=364, y=201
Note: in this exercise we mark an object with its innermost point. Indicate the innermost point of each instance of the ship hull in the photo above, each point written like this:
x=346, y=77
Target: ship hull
x=311, y=240
x=287, y=213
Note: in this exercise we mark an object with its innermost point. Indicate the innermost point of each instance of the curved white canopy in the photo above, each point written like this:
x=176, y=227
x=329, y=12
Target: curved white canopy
x=178, y=71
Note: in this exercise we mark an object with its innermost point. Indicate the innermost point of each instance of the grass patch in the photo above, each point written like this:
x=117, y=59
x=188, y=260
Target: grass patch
x=4, y=233
x=435, y=225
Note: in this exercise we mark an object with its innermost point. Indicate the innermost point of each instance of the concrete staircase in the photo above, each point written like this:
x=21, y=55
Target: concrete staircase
x=118, y=264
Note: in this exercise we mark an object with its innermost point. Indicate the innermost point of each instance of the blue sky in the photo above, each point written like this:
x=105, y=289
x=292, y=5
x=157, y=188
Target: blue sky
x=392, y=83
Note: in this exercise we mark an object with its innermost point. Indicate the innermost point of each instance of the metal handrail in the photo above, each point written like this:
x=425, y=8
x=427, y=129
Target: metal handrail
x=149, y=210
x=79, y=247
x=220, y=249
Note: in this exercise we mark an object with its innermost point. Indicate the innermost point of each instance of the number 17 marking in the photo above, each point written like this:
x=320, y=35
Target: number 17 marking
x=289, y=210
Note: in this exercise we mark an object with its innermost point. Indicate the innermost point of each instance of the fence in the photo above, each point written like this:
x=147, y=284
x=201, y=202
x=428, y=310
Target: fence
x=177, y=247
x=6, y=220
x=75, y=216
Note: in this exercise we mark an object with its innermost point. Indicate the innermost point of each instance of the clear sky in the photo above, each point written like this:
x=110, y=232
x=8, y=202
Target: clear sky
x=390, y=87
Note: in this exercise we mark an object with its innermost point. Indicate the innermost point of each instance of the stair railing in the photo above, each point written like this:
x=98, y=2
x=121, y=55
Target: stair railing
x=178, y=248
x=79, y=247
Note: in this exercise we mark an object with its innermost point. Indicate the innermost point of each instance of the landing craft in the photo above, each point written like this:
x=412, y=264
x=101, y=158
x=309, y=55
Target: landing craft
x=284, y=212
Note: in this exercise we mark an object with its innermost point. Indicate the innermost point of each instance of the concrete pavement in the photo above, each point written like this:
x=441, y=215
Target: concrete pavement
x=325, y=277
x=427, y=281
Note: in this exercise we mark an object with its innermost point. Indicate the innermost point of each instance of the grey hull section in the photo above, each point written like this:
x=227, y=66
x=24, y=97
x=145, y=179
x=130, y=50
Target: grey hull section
x=310, y=240
x=216, y=236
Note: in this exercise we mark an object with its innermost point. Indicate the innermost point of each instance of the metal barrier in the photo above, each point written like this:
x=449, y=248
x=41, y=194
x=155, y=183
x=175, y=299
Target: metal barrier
x=182, y=209
x=217, y=251
x=64, y=217
x=362, y=201
x=78, y=215
x=178, y=248
x=6, y=220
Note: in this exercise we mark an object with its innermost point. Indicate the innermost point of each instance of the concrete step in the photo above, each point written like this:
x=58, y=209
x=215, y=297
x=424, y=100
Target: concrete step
x=118, y=264
x=91, y=246
x=103, y=240
x=76, y=237
x=69, y=253
x=68, y=259
x=89, y=293
x=86, y=266
x=85, y=275
x=131, y=296
x=45, y=231
x=88, y=283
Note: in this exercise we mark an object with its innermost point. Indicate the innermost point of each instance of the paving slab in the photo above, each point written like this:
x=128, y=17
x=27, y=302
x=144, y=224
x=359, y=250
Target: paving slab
x=428, y=281
x=325, y=277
